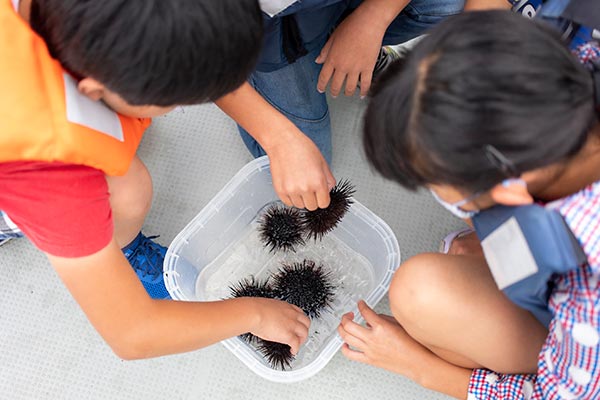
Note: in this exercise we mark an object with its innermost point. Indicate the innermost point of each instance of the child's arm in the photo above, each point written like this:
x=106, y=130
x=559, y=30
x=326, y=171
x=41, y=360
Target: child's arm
x=136, y=326
x=301, y=176
x=351, y=52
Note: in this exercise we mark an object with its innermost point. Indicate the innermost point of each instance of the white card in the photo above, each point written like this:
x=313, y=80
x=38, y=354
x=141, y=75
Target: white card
x=92, y=114
x=508, y=255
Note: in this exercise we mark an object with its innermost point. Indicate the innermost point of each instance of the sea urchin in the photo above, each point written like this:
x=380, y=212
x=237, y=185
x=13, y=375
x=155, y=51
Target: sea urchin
x=323, y=220
x=281, y=228
x=305, y=285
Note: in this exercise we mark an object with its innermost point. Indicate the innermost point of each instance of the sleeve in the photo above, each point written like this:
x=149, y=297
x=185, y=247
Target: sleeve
x=63, y=209
x=568, y=366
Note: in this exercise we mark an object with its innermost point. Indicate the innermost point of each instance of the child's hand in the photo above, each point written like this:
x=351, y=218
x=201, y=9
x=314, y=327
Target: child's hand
x=280, y=322
x=385, y=344
x=301, y=176
x=350, y=54
x=382, y=343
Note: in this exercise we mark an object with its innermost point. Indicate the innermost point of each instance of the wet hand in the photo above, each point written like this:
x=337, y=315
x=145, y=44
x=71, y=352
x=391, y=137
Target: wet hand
x=301, y=176
x=280, y=322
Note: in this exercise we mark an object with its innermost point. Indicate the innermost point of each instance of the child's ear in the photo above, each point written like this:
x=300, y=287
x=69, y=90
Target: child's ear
x=512, y=192
x=91, y=88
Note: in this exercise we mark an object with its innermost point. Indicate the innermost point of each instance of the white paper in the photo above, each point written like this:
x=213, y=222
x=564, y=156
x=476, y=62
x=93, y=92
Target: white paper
x=92, y=114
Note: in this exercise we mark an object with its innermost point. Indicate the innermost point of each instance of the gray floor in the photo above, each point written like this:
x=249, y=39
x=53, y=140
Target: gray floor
x=49, y=351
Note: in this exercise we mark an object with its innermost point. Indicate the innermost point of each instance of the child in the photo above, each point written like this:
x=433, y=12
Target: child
x=571, y=19
x=69, y=177
x=481, y=116
x=307, y=46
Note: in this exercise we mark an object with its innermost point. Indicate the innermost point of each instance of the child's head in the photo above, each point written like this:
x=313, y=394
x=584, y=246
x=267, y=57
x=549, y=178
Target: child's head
x=143, y=57
x=485, y=97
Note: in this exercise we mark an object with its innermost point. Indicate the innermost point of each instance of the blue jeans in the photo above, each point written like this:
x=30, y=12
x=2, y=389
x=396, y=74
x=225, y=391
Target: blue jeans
x=292, y=88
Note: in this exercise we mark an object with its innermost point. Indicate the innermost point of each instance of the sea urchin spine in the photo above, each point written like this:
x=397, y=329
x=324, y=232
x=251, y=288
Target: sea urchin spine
x=279, y=355
x=321, y=221
x=281, y=228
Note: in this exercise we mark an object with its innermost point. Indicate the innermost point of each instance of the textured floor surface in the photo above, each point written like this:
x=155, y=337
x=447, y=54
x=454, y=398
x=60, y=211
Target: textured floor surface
x=48, y=350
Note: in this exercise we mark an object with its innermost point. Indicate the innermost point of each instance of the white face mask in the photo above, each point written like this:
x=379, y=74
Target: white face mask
x=455, y=208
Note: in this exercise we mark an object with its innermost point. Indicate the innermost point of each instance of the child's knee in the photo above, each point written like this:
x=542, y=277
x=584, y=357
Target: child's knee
x=131, y=194
x=418, y=288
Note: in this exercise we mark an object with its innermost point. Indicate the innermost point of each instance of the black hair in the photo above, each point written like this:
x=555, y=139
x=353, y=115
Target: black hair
x=154, y=52
x=485, y=96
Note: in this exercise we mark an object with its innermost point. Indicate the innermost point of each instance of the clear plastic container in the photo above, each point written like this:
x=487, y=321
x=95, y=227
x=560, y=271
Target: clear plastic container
x=220, y=246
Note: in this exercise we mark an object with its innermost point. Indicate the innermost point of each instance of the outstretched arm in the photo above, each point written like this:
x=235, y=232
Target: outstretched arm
x=136, y=326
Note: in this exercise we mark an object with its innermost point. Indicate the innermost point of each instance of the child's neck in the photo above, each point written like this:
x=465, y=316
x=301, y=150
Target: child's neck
x=579, y=172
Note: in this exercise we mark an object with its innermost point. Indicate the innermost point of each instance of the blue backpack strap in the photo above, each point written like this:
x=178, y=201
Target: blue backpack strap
x=526, y=247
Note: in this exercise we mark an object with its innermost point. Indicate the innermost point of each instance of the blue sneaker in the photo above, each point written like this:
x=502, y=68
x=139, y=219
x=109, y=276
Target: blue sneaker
x=147, y=257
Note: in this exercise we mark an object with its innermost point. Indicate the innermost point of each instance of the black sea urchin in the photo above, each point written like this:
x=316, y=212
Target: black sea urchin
x=305, y=285
x=281, y=228
x=279, y=355
x=323, y=220
x=250, y=287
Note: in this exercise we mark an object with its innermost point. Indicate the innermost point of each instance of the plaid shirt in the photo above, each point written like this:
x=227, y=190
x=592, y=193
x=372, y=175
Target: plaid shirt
x=568, y=365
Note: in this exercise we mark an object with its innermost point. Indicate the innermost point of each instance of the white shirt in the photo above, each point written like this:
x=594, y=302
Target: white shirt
x=274, y=7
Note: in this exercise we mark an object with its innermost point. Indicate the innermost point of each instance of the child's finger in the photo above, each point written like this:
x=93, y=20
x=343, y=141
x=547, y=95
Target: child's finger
x=352, y=354
x=365, y=82
x=349, y=315
x=336, y=83
x=323, y=198
x=351, y=83
x=294, y=345
x=297, y=201
x=287, y=201
x=301, y=333
x=353, y=328
x=330, y=178
x=324, y=77
x=310, y=201
x=370, y=316
x=304, y=320
x=324, y=52
x=351, y=339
